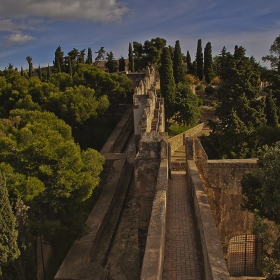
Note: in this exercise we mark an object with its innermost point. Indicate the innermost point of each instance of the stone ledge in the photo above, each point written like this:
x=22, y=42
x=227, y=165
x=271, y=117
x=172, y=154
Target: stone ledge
x=214, y=263
x=154, y=253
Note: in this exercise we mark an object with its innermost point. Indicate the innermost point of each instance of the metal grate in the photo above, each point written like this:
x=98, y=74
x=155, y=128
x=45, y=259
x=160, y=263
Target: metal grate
x=245, y=255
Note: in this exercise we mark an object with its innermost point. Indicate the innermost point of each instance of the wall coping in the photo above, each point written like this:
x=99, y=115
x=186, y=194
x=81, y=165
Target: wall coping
x=152, y=267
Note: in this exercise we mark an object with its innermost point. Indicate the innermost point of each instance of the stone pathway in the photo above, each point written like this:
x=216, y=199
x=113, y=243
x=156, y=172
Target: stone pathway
x=183, y=258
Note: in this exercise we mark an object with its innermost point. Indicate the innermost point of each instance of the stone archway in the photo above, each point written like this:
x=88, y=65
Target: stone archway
x=245, y=255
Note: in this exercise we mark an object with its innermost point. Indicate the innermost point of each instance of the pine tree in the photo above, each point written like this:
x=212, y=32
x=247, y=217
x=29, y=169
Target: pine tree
x=274, y=56
x=178, y=66
x=8, y=234
x=167, y=82
x=199, y=60
x=208, y=63
x=131, y=59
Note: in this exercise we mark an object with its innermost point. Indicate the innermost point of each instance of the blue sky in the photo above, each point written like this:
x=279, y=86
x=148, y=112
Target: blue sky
x=37, y=27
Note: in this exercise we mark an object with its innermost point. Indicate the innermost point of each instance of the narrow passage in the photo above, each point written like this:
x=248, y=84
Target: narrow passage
x=183, y=255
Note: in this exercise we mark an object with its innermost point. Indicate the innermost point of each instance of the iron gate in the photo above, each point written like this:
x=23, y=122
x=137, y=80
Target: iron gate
x=245, y=255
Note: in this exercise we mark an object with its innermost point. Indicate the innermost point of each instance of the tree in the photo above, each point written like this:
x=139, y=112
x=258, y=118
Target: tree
x=40, y=73
x=131, y=59
x=29, y=60
x=58, y=62
x=261, y=188
x=89, y=57
x=178, y=66
x=189, y=63
x=274, y=56
x=167, y=82
x=241, y=111
x=270, y=111
x=9, y=250
x=100, y=54
x=121, y=64
x=208, y=63
x=48, y=72
x=111, y=63
x=199, y=60
x=186, y=105
x=81, y=56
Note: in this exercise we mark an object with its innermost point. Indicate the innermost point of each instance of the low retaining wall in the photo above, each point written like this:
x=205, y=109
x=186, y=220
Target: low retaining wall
x=214, y=263
x=179, y=140
x=152, y=267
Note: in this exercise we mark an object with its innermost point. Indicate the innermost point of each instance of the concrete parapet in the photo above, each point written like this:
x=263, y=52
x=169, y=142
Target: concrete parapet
x=214, y=263
x=154, y=253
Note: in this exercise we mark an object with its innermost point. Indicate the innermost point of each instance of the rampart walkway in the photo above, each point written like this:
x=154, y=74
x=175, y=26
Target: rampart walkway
x=183, y=258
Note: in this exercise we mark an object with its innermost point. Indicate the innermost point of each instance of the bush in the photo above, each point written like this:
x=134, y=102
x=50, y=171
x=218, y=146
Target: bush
x=209, y=90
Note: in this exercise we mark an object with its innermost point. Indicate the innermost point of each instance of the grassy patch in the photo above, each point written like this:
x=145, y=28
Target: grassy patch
x=176, y=129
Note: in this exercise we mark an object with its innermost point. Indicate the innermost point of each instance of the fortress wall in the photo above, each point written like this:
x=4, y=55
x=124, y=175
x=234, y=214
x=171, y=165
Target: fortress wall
x=224, y=192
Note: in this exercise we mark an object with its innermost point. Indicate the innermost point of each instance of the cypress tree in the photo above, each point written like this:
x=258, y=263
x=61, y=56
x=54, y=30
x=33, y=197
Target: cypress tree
x=89, y=56
x=199, y=60
x=48, y=72
x=58, y=62
x=70, y=70
x=270, y=111
x=167, y=82
x=8, y=234
x=208, y=63
x=21, y=71
x=121, y=64
x=29, y=60
x=40, y=73
x=178, y=67
x=189, y=63
x=131, y=59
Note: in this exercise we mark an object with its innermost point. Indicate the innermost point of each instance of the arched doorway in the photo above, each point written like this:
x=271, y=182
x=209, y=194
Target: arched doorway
x=245, y=255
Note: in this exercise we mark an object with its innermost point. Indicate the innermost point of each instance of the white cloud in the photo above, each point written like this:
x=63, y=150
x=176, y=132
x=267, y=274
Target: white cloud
x=17, y=38
x=86, y=10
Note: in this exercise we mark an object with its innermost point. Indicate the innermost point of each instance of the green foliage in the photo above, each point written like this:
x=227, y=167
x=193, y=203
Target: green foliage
x=89, y=57
x=274, y=56
x=208, y=63
x=189, y=63
x=261, y=189
x=131, y=59
x=178, y=66
x=121, y=64
x=199, y=60
x=111, y=63
x=58, y=62
x=9, y=250
x=270, y=111
x=167, y=82
x=241, y=111
x=101, y=53
x=186, y=105
x=175, y=129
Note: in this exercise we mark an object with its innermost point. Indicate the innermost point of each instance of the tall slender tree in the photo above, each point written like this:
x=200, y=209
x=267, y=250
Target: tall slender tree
x=131, y=59
x=29, y=60
x=121, y=64
x=199, y=60
x=58, y=62
x=270, y=111
x=189, y=63
x=208, y=63
x=89, y=57
x=111, y=63
x=167, y=82
x=178, y=66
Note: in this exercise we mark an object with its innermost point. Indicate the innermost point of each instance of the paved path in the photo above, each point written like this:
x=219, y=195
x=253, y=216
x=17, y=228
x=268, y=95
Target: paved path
x=183, y=258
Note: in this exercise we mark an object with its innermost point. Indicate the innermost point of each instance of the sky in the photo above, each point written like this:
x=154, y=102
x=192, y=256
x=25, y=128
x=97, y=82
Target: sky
x=37, y=27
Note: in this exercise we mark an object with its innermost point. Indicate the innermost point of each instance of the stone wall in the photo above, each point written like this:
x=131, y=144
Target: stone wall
x=213, y=259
